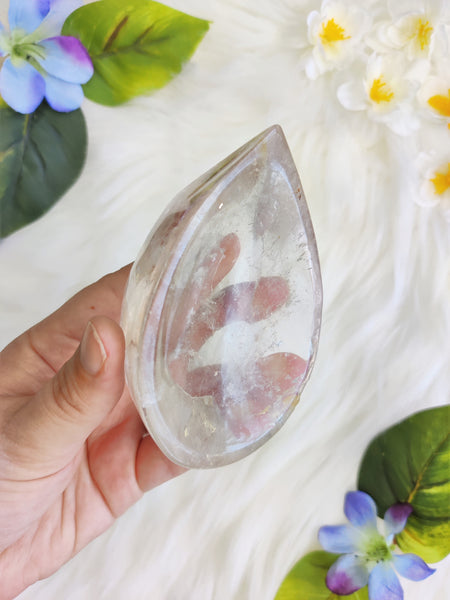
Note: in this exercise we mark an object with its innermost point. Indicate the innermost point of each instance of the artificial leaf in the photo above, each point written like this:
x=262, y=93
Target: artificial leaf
x=410, y=462
x=306, y=580
x=136, y=46
x=41, y=155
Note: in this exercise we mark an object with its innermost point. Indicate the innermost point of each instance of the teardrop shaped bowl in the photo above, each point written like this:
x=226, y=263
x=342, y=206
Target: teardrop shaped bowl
x=223, y=307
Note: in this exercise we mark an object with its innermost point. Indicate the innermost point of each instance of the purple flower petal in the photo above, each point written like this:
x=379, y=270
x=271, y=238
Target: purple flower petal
x=61, y=95
x=348, y=574
x=412, y=566
x=395, y=518
x=340, y=538
x=360, y=510
x=22, y=87
x=27, y=14
x=67, y=59
x=384, y=583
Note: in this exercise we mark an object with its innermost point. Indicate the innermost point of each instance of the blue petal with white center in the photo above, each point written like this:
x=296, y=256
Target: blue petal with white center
x=384, y=583
x=412, y=567
x=367, y=556
x=21, y=86
x=39, y=60
x=395, y=519
x=347, y=575
x=360, y=510
x=27, y=14
x=339, y=538
x=67, y=59
x=61, y=95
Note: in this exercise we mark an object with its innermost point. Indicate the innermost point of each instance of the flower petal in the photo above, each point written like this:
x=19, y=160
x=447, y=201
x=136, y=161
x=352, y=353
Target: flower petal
x=384, y=583
x=340, y=538
x=396, y=516
x=27, y=14
x=21, y=86
x=348, y=574
x=412, y=566
x=352, y=96
x=53, y=22
x=64, y=8
x=2, y=41
x=360, y=509
x=61, y=95
x=67, y=59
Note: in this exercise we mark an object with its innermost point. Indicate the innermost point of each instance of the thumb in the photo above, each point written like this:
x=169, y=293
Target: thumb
x=57, y=421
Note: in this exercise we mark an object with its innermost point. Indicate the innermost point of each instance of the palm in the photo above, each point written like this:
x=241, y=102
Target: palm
x=63, y=502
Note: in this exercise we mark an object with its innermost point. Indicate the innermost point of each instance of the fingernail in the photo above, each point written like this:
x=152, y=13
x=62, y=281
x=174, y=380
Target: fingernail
x=92, y=351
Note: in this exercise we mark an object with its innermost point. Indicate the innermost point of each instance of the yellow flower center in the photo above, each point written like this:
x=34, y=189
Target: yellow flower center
x=441, y=181
x=422, y=33
x=380, y=91
x=441, y=104
x=332, y=32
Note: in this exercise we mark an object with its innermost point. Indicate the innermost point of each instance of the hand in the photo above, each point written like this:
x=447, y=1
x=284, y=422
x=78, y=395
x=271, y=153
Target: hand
x=72, y=452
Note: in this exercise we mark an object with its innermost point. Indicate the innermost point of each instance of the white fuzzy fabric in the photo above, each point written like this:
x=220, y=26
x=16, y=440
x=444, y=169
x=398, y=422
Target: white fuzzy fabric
x=233, y=533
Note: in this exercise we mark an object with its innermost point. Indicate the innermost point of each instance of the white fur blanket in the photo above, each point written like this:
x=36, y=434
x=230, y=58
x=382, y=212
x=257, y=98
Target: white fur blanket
x=233, y=533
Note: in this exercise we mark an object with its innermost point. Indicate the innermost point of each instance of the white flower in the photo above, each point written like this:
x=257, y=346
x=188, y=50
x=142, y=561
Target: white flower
x=384, y=92
x=434, y=169
x=417, y=28
x=434, y=95
x=335, y=33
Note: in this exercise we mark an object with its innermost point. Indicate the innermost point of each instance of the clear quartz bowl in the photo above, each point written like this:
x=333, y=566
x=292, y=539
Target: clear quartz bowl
x=223, y=307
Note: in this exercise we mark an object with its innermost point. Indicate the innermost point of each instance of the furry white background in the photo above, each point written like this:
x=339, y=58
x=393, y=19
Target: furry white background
x=233, y=533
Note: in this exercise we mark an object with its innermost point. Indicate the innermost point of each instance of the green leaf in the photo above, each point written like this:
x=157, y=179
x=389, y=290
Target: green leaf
x=410, y=462
x=136, y=46
x=41, y=155
x=306, y=580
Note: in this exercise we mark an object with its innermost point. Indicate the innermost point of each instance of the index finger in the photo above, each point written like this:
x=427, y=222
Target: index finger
x=42, y=350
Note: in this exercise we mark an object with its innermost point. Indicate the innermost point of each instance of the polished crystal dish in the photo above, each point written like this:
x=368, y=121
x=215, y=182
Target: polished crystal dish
x=223, y=307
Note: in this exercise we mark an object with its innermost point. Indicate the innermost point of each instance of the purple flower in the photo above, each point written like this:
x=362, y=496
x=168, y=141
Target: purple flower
x=367, y=556
x=39, y=63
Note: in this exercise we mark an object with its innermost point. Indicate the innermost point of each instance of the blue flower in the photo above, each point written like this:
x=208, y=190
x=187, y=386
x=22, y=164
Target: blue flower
x=368, y=556
x=39, y=63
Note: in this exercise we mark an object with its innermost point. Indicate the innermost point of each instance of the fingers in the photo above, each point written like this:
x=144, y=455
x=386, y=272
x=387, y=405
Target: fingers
x=247, y=301
x=220, y=262
x=209, y=274
x=275, y=375
x=104, y=297
x=263, y=382
x=152, y=467
x=54, y=424
x=43, y=349
x=263, y=390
